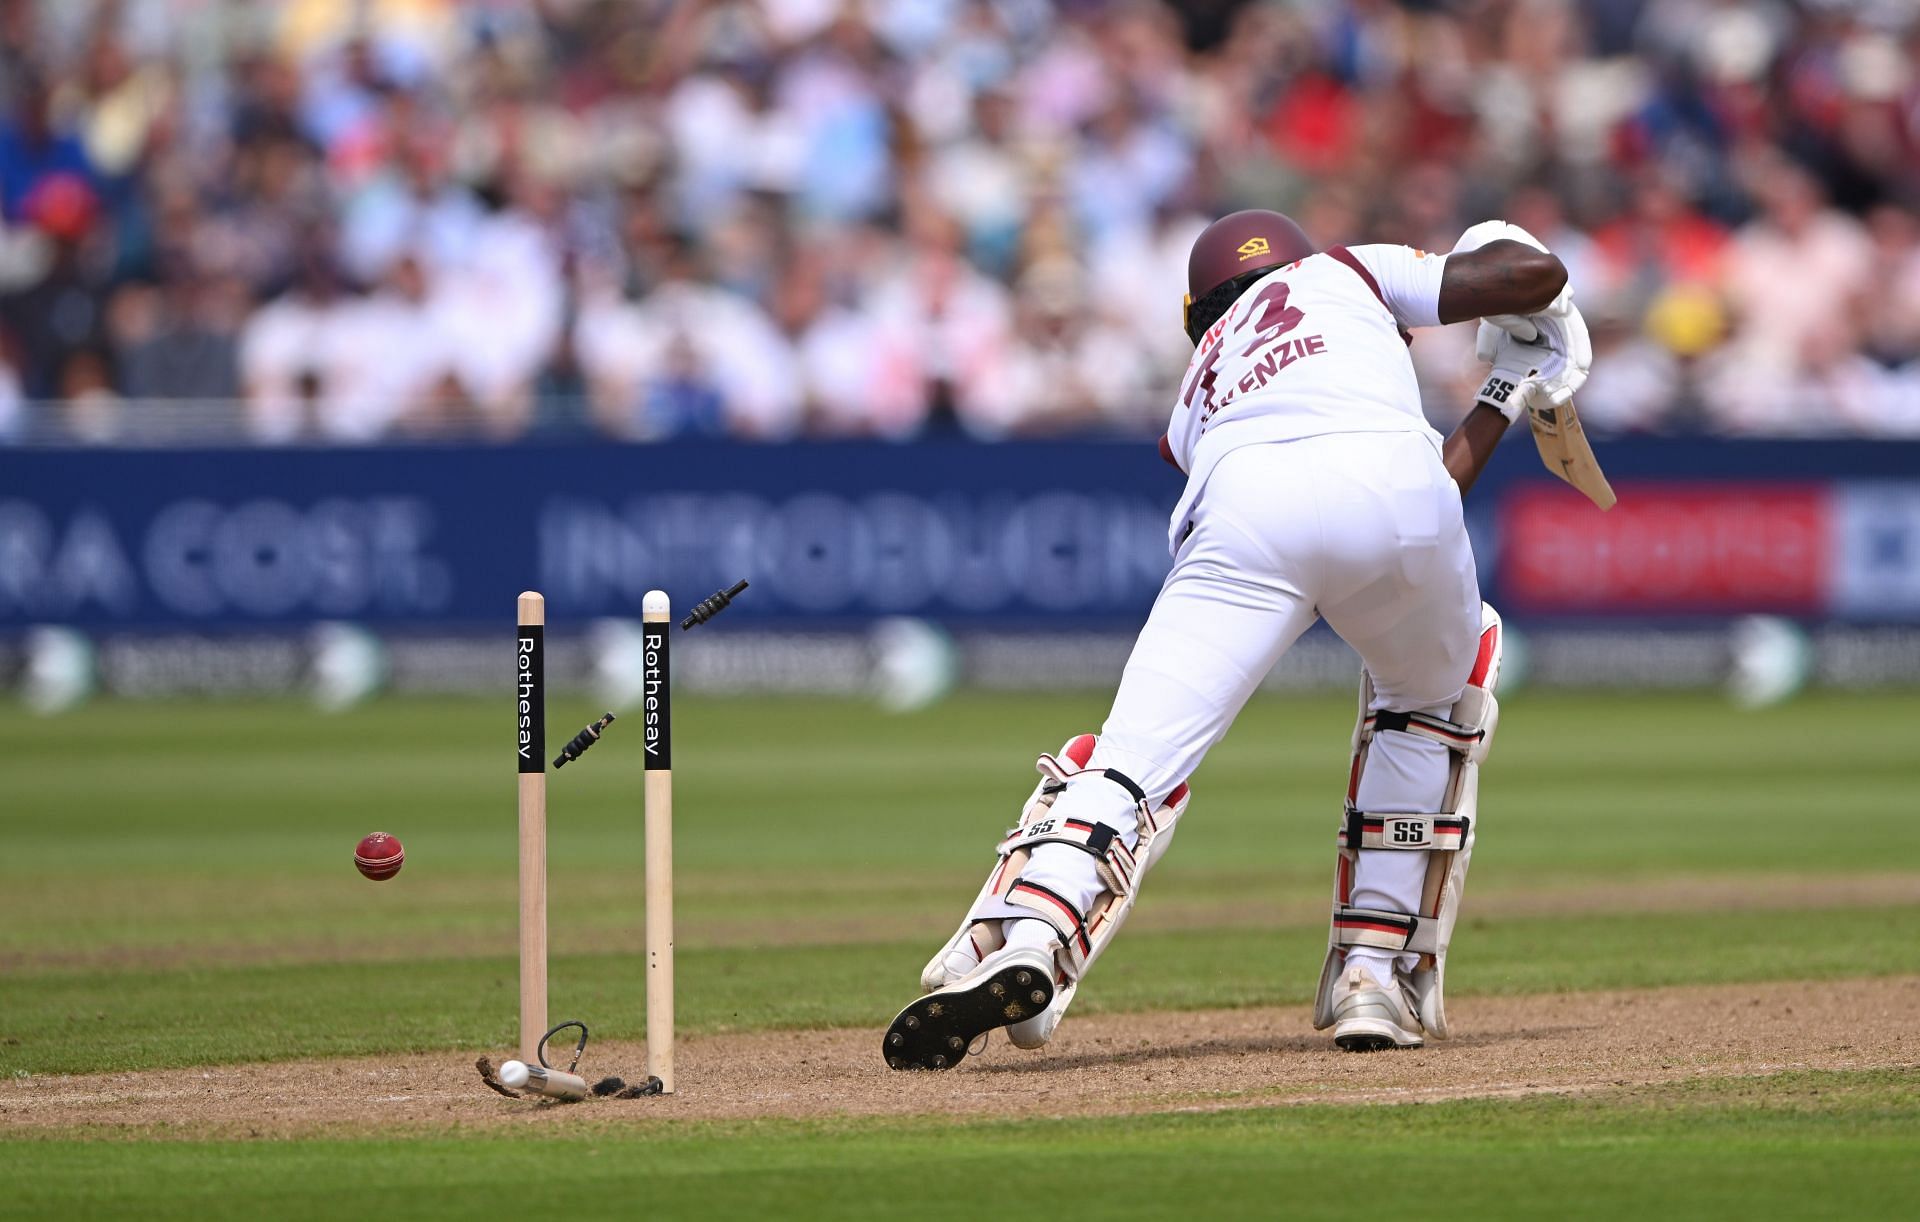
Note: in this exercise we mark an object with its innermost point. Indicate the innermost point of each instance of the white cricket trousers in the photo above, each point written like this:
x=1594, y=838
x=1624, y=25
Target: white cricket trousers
x=1361, y=529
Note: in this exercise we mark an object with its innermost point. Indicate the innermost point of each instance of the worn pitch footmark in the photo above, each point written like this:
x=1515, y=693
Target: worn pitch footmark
x=1105, y=1064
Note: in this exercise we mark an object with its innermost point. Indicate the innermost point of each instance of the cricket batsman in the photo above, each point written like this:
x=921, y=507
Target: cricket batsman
x=1315, y=490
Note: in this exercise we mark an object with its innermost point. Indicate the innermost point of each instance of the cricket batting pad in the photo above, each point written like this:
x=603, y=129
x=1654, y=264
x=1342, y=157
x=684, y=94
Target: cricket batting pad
x=1445, y=836
x=1122, y=860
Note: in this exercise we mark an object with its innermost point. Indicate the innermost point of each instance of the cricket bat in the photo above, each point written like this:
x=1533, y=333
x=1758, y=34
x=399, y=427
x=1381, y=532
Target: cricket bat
x=1556, y=430
x=1566, y=452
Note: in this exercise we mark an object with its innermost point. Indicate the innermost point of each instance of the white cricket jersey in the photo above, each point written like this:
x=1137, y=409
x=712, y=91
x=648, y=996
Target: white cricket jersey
x=1318, y=346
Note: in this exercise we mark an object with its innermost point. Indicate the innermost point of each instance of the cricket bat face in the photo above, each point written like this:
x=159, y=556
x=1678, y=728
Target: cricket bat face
x=1565, y=451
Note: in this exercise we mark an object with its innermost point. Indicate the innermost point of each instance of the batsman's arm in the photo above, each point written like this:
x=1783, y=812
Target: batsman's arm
x=1472, y=444
x=1502, y=277
x=1503, y=396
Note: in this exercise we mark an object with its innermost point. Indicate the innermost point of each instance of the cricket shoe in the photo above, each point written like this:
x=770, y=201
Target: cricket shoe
x=1010, y=986
x=1035, y=1033
x=1369, y=1016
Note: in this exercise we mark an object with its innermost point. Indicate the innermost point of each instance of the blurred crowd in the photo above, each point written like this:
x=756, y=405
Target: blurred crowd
x=367, y=219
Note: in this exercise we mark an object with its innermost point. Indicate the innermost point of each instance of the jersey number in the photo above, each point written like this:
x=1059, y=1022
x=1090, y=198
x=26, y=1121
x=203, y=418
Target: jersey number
x=1270, y=324
x=1270, y=318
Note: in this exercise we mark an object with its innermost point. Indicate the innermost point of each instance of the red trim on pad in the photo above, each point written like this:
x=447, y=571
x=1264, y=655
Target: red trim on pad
x=1484, y=661
x=1079, y=749
x=1374, y=925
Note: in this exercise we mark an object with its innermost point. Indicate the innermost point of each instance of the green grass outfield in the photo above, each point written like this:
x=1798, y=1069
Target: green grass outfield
x=1804, y=1146
x=176, y=889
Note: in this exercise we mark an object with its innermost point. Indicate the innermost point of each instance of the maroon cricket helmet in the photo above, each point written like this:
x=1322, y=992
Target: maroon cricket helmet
x=1238, y=243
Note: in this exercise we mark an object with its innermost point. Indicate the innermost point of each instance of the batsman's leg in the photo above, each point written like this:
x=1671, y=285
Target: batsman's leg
x=1405, y=841
x=1105, y=809
x=1427, y=715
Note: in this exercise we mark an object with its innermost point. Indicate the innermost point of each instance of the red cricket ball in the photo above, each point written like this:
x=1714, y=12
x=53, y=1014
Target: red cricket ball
x=379, y=856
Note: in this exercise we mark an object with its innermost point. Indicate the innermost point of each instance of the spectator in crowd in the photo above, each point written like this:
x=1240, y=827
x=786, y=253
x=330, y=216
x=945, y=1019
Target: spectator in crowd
x=1889, y=317
x=11, y=412
x=862, y=375
x=53, y=308
x=1792, y=278
x=285, y=352
x=689, y=357
x=769, y=218
x=38, y=151
x=1066, y=368
x=177, y=341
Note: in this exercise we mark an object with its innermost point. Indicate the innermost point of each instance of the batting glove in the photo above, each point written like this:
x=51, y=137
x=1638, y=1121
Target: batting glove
x=1562, y=330
x=1515, y=362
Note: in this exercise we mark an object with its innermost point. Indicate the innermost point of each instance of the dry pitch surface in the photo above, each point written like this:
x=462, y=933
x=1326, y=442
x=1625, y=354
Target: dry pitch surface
x=1196, y=1061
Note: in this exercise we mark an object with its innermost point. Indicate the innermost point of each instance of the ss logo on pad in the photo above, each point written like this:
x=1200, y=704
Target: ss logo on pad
x=1406, y=831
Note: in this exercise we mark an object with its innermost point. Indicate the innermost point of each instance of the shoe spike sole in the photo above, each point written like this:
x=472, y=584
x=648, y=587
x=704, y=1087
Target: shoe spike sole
x=938, y=1030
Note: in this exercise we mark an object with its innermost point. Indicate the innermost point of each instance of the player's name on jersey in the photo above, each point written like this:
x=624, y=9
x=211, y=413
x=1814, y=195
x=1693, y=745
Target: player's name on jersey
x=1283, y=354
